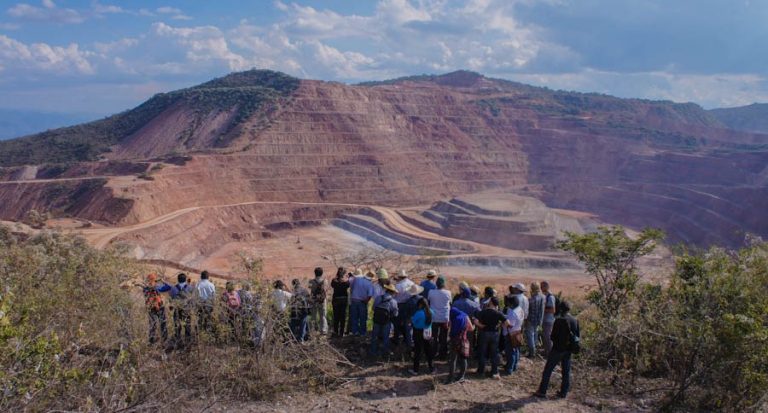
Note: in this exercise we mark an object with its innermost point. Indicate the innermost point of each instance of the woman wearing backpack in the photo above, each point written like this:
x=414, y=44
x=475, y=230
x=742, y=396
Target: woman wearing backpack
x=384, y=312
x=565, y=342
x=231, y=300
x=422, y=335
x=461, y=326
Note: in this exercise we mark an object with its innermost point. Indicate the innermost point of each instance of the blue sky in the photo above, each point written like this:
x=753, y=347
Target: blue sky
x=100, y=57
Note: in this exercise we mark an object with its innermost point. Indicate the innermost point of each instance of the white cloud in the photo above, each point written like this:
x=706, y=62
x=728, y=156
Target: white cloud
x=203, y=44
x=44, y=57
x=168, y=10
x=49, y=12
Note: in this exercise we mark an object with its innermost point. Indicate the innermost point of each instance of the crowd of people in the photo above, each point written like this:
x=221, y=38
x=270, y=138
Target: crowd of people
x=426, y=320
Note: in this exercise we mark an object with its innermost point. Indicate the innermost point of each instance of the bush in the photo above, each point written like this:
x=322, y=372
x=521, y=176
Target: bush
x=706, y=332
x=73, y=336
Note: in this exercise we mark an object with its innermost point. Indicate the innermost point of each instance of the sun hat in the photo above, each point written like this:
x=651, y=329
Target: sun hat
x=390, y=288
x=431, y=274
x=382, y=274
x=415, y=289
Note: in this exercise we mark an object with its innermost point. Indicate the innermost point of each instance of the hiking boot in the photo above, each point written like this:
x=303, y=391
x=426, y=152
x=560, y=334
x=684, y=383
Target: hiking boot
x=540, y=395
x=561, y=395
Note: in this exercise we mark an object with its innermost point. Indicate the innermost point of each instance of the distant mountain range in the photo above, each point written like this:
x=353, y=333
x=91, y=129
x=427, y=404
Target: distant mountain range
x=751, y=118
x=15, y=123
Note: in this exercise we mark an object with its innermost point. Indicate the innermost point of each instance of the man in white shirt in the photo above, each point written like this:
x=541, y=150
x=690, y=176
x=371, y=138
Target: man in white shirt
x=518, y=290
x=440, y=304
x=206, y=295
x=402, y=321
x=280, y=296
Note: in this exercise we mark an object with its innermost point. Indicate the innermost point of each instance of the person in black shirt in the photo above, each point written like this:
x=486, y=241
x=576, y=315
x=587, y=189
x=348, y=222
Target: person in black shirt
x=565, y=337
x=339, y=301
x=488, y=320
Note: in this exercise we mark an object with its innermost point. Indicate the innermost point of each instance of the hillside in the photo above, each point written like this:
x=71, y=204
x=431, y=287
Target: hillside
x=751, y=118
x=484, y=171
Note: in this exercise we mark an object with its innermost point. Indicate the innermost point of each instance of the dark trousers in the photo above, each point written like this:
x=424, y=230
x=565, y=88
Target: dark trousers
x=402, y=326
x=420, y=345
x=489, y=347
x=339, y=315
x=300, y=327
x=181, y=317
x=157, y=321
x=440, y=339
x=205, y=319
x=553, y=359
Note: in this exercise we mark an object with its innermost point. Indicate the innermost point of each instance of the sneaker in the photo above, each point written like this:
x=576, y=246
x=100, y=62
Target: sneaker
x=460, y=380
x=413, y=372
x=496, y=376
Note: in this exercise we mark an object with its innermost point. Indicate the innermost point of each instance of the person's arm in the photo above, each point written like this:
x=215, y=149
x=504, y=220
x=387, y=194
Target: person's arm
x=163, y=288
x=478, y=322
x=393, y=306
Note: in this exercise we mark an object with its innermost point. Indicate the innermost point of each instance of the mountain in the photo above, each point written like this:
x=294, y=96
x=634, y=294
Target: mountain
x=751, y=118
x=14, y=123
x=456, y=164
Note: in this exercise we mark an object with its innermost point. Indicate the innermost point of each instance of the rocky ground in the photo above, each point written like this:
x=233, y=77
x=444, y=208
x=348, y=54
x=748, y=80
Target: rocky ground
x=387, y=387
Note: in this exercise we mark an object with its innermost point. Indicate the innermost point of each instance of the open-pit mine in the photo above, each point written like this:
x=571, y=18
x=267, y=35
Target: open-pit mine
x=475, y=175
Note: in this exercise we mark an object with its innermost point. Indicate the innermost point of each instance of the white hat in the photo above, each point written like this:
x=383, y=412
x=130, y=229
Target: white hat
x=519, y=286
x=431, y=273
x=415, y=289
x=402, y=274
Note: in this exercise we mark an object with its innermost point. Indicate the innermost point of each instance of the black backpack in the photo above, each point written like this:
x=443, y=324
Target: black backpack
x=557, y=301
x=574, y=341
x=381, y=313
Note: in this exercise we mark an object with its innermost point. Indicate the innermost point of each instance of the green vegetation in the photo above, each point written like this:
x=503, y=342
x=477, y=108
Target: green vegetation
x=705, y=332
x=73, y=337
x=245, y=92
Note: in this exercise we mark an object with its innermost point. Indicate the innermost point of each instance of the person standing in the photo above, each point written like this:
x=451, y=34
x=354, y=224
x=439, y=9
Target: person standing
x=230, y=300
x=461, y=326
x=422, y=336
x=319, y=294
x=550, y=304
x=339, y=301
x=181, y=295
x=565, y=341
x=464, y=302
x=440, y=303
x=402, y=322
x=428, y=284
x=300, y=308
x=206, y=294
x=361, y=292
x=489, y=320
x=280, y=297
x=384, y=312
x=535, y=318
x=518, y=290
x=513, y=335
x=156, y=307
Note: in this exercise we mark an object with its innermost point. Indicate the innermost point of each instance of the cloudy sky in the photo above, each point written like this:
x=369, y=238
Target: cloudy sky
x=99, y=57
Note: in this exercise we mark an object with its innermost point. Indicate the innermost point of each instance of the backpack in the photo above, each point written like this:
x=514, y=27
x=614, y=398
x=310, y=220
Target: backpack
x=574, y=341
x=381, y=313
x=557, y=301
x=153, y=299
x=232, y=299
x=318, y=290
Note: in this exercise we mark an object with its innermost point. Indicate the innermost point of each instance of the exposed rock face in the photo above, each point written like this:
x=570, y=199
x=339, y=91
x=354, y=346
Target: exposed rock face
x=416, y=141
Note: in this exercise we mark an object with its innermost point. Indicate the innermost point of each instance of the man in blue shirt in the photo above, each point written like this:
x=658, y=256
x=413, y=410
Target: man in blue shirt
x=361, y=291
x=429, y=283
x=181, y=295
x=384, y=312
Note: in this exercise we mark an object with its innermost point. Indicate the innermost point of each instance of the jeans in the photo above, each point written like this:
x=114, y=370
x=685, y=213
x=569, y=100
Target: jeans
x=300, y=328
x=403, y=326
x=489, y=347
x=380, y=333
x=157, y=321
x=513, y=356
x=339, y=315
x=319, y=318
x=440, y=339
x=420, y=345
x=555, y=358
x=547, y=327
x=531, y=337
x=358, y=317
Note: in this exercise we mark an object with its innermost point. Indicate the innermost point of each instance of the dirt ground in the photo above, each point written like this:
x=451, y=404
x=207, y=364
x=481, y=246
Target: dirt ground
x=387, y=387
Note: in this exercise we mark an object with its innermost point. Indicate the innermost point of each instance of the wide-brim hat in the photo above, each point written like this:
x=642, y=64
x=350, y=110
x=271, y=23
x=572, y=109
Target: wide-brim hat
x=519, y=287
x=401, y=275
x=390, y=288
x=415, y=289
x=382, y=274
x=431, y=274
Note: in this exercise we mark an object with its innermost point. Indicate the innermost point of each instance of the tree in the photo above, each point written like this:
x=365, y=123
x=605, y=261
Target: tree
x=610, y=255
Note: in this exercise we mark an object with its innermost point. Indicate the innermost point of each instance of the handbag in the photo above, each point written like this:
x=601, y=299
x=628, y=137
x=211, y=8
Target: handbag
x=516, y=338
